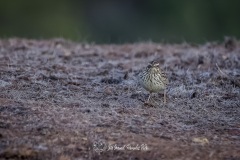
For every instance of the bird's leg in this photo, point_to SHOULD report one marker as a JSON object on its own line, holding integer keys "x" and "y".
{"x": 164, "y": 97}
{"x": 149, "y": 97}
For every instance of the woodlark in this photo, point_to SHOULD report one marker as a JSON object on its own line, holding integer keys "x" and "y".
{"x": 153, "y": 79}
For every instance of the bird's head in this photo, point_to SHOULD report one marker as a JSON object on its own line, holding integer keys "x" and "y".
{"x": 153, "y": 64}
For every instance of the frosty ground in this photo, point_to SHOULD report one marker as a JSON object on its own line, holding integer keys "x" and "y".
{"x": 66, "y": 100}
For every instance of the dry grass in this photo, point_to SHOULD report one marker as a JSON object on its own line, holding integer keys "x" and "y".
{"x": 59, "y": 98}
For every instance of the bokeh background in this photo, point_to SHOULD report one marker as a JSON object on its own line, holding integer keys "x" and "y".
{"x": 121, "y": 21}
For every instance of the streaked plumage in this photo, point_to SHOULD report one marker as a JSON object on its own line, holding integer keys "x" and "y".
{"x": 153, "y": 79}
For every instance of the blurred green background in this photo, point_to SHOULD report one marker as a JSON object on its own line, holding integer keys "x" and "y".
{"x": 121, "y": 21}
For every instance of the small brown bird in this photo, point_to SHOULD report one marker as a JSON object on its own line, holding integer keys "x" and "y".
{"x": 153, "y": 79}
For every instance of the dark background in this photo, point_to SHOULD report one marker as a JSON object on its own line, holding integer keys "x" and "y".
{"x": 121, "y": 21}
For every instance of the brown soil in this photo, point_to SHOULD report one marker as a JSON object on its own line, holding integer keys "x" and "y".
{"x": 64, "y": 100}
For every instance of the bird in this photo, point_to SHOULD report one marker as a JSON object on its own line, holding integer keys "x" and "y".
{"x": 153, "y": 79}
